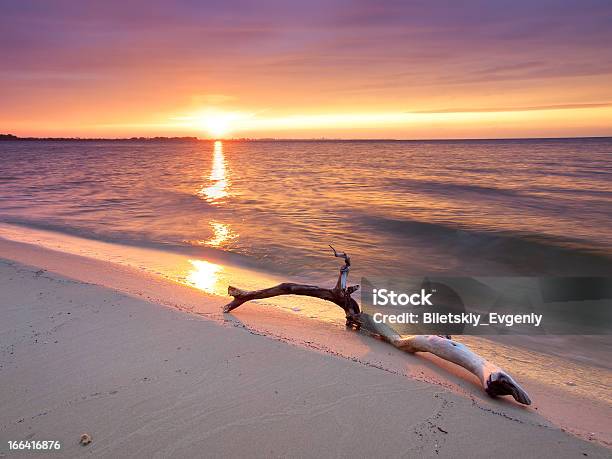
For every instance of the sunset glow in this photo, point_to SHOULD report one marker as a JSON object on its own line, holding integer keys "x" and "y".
{"x": 216, "y": 125}
{"x": 296, "y": 70}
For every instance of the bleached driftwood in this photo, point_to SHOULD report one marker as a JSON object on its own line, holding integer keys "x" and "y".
{"x": 495, "y": 381}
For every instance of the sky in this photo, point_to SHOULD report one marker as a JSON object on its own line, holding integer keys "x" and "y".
{"x": 306, "y": 69}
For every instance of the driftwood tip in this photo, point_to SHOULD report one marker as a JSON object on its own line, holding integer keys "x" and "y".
{"x": 501, "y": 383}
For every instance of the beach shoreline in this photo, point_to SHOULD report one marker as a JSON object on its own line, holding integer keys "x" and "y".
{"x": 554, "y": 409}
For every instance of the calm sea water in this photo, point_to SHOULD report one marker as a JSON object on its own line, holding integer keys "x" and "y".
{"x": 456, "y": 207}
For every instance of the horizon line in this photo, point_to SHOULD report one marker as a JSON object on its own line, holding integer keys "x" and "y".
{"x": 12, "y": 137}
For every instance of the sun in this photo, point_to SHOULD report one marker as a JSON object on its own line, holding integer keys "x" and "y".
{"x": 217, "y": 126}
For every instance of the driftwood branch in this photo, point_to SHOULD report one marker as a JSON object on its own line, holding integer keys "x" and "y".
{"x": 494, "y": 380}
{"x": 340, "y": 294}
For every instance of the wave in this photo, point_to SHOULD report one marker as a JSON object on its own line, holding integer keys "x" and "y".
{"x": 546, "y": 197}
{"x": 131, "y": 239}
{"x": 526, "y": 253}
{"x": 438, "y": 187}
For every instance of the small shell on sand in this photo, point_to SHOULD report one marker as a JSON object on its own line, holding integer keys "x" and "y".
{"x": 85, "y": 439}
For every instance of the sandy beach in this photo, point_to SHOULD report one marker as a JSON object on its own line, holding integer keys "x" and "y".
{"x": 148, "y": 367}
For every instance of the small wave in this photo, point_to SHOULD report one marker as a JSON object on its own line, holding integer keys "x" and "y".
{"x": 139, "y": 240}
{"x": 551, "y": 198}
{"x": 438, "y": 187}
{"x": 525, "y": 252}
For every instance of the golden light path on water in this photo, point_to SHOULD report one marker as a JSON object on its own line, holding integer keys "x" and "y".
{"x": 204, "y": 274}
{"x": 222, "y": 234}
{"x": 214, "y": 278}
{"x": 214, "y": 192}
{"x": 219, "y": 186}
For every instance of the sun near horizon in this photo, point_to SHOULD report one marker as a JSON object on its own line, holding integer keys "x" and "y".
{"x": 291, "y": 70}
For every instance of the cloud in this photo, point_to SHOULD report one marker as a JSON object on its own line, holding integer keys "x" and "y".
{"x": 516, "y": 109}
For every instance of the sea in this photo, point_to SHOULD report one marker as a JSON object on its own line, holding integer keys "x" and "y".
{"x": 456, "y": 207}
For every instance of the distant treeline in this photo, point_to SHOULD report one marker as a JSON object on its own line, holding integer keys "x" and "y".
{"x": 273, "y": 139}
{"x": 79, "y": 139}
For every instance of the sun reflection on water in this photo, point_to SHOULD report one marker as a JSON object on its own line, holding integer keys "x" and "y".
{"x": 204, "y": 275}
{"x": 221, "y": 235}
{"x": 218, "y": 189}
